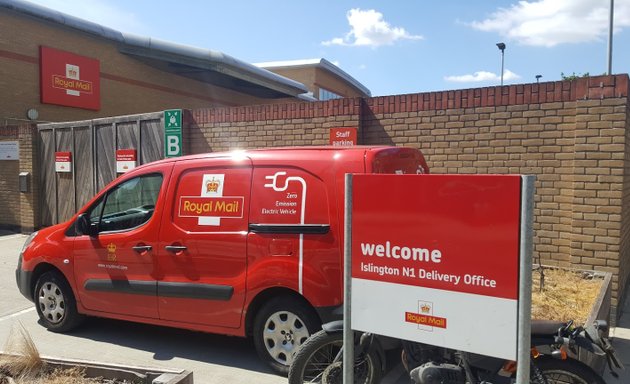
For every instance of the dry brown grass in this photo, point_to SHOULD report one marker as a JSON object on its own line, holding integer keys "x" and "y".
{"x": 22, "y": 360}
{"x": 22, "y": 364}
{"x": 567, "y": 295}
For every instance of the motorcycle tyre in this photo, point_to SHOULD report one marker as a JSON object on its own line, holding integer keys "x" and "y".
{"x": 321, "y": 340}
{"x": 571, "y": 367}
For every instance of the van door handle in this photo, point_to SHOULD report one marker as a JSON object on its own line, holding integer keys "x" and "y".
{"x": 176, "y": 248}
{"x": 142, "y": 248}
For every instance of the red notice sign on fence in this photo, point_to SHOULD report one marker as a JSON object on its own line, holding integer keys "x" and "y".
{"x": 435, "y": 259}
{"x": 63, "y": 162}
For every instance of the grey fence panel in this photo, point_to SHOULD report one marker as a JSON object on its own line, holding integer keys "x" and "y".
{"x": 151, "y": 140}
{"x": 84, "y": 165}
{"x": 105, "y": 154}
{"x": 65, "y": 180}
{"x": 93, "y": 144}
{"x": 127, "y": 135}
{"x": 48, "y": 181}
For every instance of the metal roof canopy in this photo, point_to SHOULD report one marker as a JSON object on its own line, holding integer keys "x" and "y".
{"x": 203, "y": 65}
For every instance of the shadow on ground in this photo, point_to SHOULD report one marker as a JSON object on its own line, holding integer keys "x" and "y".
{"x": 168, "y": 343}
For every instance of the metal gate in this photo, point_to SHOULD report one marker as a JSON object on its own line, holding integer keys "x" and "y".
{"x": 93, "y": 144}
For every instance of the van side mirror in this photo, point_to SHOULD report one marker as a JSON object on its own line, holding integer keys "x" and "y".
{"x": 84, "y": 227}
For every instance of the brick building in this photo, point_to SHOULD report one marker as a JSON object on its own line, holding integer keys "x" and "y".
{"x": 323, "y": 79}
{"x": 131, "y": 74}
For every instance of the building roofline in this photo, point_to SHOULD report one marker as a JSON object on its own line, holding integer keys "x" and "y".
{"x": 319, "y": 63}
{"x": 159, "y": 49}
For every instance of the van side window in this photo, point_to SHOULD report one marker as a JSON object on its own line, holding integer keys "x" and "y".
{"x": 127, "y": 205}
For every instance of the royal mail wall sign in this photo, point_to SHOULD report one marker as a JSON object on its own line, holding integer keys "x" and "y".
{"x": 446, "y": 247}
{"x": 69, "y": 79}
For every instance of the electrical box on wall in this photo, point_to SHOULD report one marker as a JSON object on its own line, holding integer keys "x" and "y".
{"x": 24, "y": 181}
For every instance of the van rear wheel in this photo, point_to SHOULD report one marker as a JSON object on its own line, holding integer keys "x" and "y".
{"x": 280, "y": 327}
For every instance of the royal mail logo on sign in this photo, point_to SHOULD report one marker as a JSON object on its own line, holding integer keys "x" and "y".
{"x": 125, "y": 160}
{"x": 69, "y": 79}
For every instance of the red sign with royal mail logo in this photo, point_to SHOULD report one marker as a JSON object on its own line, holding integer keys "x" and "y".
{"x": 69, "y": 79}
{"x": 343, "y": 136}
{"x": 126, "y": 160}
{"x": 63, "y": 162}
{"x": 447, "y": 248}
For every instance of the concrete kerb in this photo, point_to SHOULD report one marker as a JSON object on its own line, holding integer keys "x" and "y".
{"x": 132, "y": 374}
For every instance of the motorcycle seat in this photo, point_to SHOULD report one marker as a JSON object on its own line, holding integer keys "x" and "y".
{"x": 546, "y": 327}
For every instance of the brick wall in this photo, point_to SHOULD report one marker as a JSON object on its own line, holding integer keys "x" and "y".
{"x": 24, "y": 217}
{"x": 9, "y": 217}
{"x": 571, "y": 135}
{"x": 29, "y": 202}
{"x": 269, "y": 125}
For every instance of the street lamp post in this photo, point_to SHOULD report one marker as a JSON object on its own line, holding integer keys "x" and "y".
{"x": 538, "y": 78}
{"x": 501, "y": 46}
{"x": 610, "y": 36}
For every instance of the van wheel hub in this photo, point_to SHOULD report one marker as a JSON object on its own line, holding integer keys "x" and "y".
{"x": 284, "y": 332}
{"x": 51, "y": 302}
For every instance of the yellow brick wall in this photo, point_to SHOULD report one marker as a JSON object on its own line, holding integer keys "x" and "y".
{"x": 571, "y": 135}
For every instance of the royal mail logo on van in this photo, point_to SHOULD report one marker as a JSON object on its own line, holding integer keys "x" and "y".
{"x": 69, "y": 79}
{"x": 213, "y": 185}
{"x": 201, "y": 206}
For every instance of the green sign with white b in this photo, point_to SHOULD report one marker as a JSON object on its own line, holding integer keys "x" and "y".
{"x": 173, "y": 133}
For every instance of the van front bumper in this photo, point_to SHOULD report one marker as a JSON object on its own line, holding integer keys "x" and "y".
{"x": 23, "y": 279}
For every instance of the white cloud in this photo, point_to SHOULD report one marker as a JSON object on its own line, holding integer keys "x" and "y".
{"x": 551, "y": 22}
{"x": 362, "y": 66}
{"x": 482, "y": 76}
{"x": 97, "y": 11}
{"x": 367, "y": 28}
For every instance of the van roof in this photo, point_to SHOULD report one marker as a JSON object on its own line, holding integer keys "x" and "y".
{"x": 281, "y": 152}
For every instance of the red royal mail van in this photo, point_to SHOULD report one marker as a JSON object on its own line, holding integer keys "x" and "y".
{"x": 244, "y": 243}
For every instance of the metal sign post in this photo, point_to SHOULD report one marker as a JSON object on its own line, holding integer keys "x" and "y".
{"x": 348, "y": 334}
{"x": 525, "y": 279}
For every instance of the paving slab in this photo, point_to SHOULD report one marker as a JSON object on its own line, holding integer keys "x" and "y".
{"x": 11, "y": 301}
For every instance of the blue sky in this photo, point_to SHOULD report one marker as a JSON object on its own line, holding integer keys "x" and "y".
{"x": 392, "y": 47}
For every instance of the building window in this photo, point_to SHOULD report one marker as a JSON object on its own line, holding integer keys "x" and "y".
{"x": 325, "y": 94}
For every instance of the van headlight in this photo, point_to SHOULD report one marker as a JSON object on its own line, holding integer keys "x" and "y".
{"x": 28, "y": 241}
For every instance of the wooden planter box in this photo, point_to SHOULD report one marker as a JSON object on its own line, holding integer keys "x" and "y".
{"x": 135, "y": 375}
{"x": 599, "y": 311}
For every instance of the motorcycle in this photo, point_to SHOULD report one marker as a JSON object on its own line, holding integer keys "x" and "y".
{"x": 554, "y": 358}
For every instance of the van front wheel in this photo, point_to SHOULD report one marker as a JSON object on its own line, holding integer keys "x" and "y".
{"x": 280, "y": 327}
{"x": 55, "y": 303}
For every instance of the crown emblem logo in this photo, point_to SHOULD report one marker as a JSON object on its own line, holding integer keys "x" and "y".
{"x": 212, "y": 185}
{"x": 111, "y": 248}
{"x": 425, "y": 308}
